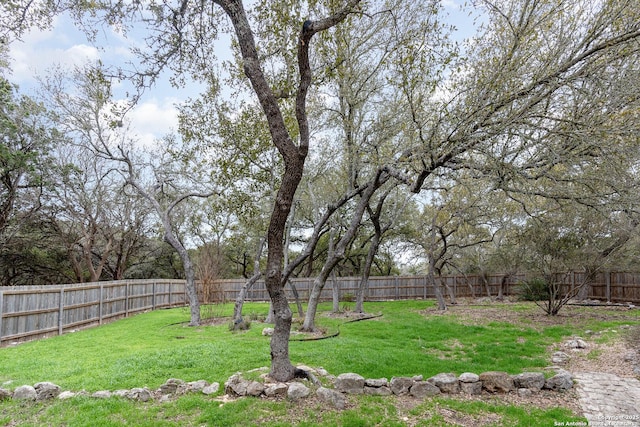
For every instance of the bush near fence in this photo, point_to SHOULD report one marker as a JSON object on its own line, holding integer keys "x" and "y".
{"x": 29, "y": 312}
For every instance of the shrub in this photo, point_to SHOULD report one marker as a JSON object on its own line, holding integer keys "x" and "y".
{"x": 536, "y": 289}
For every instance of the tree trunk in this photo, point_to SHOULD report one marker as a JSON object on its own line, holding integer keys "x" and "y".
{"x": 296, "y": 297}
{"x": 238, "y": 321}
{"x": 335, "y": 286}
{"x": 335, "y": 293}
{"x": 450, "y": 291}
{"x": 437, "y": 289}
{"x": 503, "y": 282}
{"x": 293, "y": 156}
{"x": 237, "y": 309}
{"x": 189, "y": 272}
{"x": 485, "y": 282}
{"x": 364, "y": 281}
{"x": 338, "y": 253}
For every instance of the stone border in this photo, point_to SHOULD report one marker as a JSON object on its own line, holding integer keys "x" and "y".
{"x": 524, "y": 384}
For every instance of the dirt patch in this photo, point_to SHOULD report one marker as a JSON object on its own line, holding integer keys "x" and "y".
{"x": 614, "y": 356}
{"x": 216, "y": 321}
{"x": 530, "y": 315}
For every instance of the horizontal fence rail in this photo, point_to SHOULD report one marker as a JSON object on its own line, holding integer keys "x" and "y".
{"x": 28, "y": 312}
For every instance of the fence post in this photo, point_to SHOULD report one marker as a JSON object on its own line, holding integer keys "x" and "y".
{"x": 101, "y": 298}
{"x": 424, "y": 288}
{"x": 61, "y": 312}
{"x": 607, "y": 281}
{"x": 153, "y": 297}
{"x": 397, "y": 284}
{"x": 126, "y": 299}
{"x": 1, "y": 313}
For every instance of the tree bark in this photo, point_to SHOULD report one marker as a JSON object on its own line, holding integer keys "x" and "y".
{"x": 189, "y": 271}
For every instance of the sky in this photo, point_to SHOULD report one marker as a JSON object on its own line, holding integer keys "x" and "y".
{"x": 65, "y": 46}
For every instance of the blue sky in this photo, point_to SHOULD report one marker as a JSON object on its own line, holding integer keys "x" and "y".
{"x": 64, "y": 45}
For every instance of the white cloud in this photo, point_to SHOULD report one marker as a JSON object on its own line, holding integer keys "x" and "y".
{"x": 63, "y": 45}
{"x": 450, "y": 3}
{"x": 152, "y": 119}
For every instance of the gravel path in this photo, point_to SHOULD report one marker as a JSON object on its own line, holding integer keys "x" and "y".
{"x": 609, "y": 400}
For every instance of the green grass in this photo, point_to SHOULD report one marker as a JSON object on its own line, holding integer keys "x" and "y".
{"x": 407, "y": 339}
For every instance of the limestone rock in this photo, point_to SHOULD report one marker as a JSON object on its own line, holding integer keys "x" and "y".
{"x": 25, "y": 392}
{"x": 447, "y": 383}
{"x": 172, "y": 386}
{"x": 254, "y": 388}
{"x": 350, "y": 383}
{"x": 322, "y": 372}
{"x": 560, "y": 382}
{"x": 276, "y": 389}
{"x": 577, "y": 343}
{"x": 66, "y": 395}
{"x": 380, "y": 382}
{"x": 121, "y": 393}
{"x": 468, "y": 377}
{"x": 336, "y": 399}
{"x": 4, "y": 394}
{"x": 401, "y": 385}
{"x": 560, "y": 358}
{"x": 495, "y": 381}
{"x": 211, "y": 389}
{"x": 236, "y": 385}
{"x": 525, "y": 392}
{"x": 297, "y": 391}
{"x": 422, "y": 389}
{"x": 530, "y": 380}
{"x": 102, "y": 394}
{"x": 140, "y": 394}
{"x": 198, "y": 385}
{"x": 471, "y": 388}
{"x": 377, "y": 391}
{"x": 267, "y": 332}
{"x": 46, "y": 390}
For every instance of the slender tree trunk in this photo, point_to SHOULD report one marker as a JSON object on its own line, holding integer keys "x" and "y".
{"x": 287, "y": 241}
{"x": 335, "y": 287}
{"x": 189, "y": 272}
{"x": 237, "y": 308}
{"x": 364, "y": 281}
{"x": 450, "y": 291}
{"x": 296, "y": 297}
{"x": 437, "y": 289}
{"x": 503, "y": 282}
{"x": 335, "y": 293}
{"x": 332, "y": 261}
{"x": 485, "y": 282}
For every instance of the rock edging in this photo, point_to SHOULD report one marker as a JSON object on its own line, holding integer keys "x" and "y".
{"x": 334, "y": 392}
{"x": 525, "y": 384}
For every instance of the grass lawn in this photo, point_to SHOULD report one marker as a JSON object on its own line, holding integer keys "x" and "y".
{"x": 409, "y": 338}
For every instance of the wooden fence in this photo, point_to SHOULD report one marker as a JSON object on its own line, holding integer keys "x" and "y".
{"x": 29, "y": 312}
{"x": 612, "y": 287}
